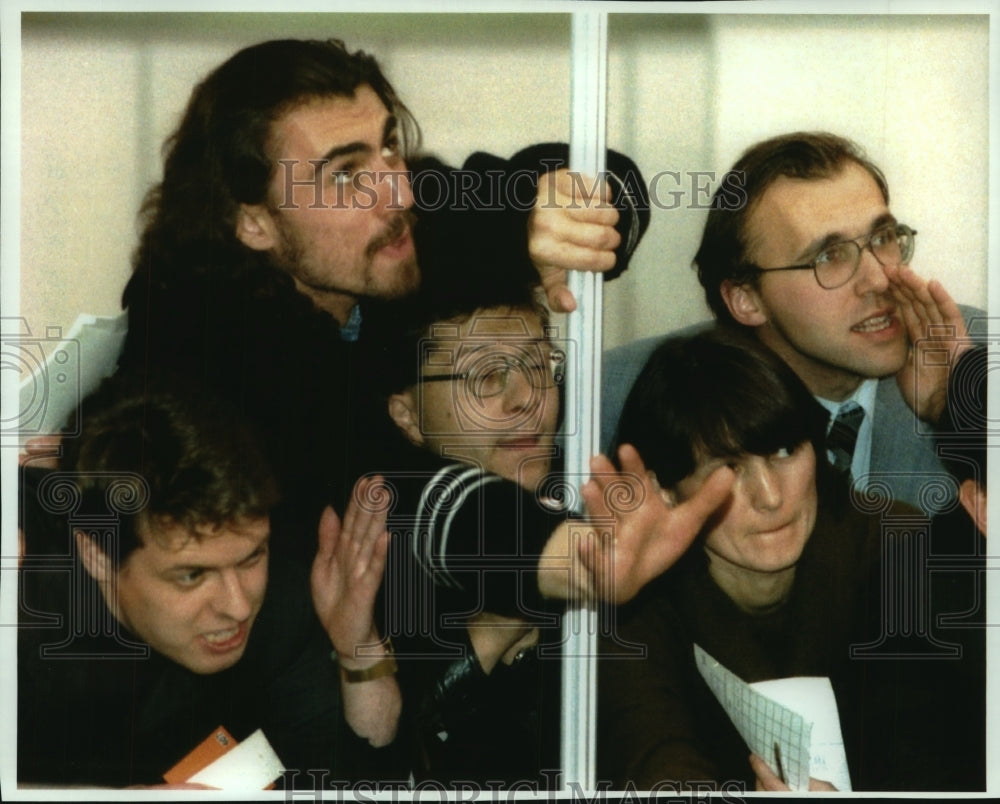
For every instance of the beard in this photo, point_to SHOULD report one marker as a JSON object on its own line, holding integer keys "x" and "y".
{"x": 405, "y": 276}
{"x": 318, "y": 276}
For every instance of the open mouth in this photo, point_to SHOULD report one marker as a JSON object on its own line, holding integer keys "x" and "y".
{"x": 227, "y": 639}
{"x": 396, "y": 239}
{"x": 400, "y": 247}
{"x": 400, "y": 243}
{"x": 877, "y": 323}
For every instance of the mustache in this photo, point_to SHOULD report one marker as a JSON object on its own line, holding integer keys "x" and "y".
{"x": 397, "y": 228}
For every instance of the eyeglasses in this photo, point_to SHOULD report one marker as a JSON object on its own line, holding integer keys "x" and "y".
{"x": 490, "y": 377}
{"x": 835, "y": 265}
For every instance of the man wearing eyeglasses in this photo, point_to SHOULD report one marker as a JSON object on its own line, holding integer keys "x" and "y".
{"x": 801, "y": 248}
{"x": 290, "y": 201}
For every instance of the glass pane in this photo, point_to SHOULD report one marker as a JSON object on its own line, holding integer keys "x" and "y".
{"x": 688, "y": 93}
{"x": 100, "y": 93}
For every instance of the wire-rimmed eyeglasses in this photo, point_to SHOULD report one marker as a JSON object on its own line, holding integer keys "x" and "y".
{"x": 490, "y": 377}
{"x": 835, "y": 265}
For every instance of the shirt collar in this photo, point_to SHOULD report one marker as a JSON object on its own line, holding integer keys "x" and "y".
{"x": 864, "y": 395}
{"x": 351, "y": 331}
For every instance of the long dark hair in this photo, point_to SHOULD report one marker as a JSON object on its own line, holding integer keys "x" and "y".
{"x": 217, "y": 158}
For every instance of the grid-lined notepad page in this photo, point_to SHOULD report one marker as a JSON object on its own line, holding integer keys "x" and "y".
{"x": 763, "y": 723}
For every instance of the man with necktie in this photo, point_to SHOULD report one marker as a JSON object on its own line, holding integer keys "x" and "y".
{"x": 801, "y": 249}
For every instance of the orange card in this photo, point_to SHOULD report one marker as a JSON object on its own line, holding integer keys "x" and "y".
{"x": 204, "y": 754}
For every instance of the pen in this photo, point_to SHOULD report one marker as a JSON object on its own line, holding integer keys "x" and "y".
{"x": 777, "y": 760}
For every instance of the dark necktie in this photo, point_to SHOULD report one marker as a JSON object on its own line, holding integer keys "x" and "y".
{"x": 843, "y": 435}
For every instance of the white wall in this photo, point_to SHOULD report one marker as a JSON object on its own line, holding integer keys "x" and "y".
{"x": 100, "y": 92}
{"x": 686, "y": 93}
{"x": 692, "y": 94}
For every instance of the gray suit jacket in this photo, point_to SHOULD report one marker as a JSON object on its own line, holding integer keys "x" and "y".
{"x": 904, "y": 460}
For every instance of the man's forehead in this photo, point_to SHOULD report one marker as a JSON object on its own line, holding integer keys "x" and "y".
{"x": 794, "y": 213}
{"x": 493, "y": 322}
{"x": 491, "y": 329}
{"x": 170, "y": 542}
{"x": 443, "y": 352}
{"x": 324, "y": 121}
